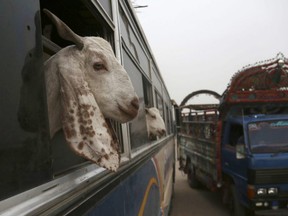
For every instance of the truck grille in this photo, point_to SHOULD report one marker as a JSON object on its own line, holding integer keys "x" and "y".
{"x": 268, "y": 176}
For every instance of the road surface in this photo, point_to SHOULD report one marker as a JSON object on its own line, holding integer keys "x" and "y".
{"x": 192, "y": 202}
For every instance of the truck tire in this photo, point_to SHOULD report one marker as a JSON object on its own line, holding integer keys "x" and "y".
{"x": 235, "y": 207}
{"x": 192, "y": 180}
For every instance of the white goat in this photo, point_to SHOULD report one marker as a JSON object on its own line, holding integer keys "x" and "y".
{"x": 155, "y": 123}
{"x": 84, "y": 84}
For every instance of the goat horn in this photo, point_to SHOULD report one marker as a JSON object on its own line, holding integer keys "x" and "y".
{"x": 64, "y": 31}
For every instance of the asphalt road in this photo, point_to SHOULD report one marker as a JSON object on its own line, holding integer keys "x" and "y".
{"x": 191, "y": 202}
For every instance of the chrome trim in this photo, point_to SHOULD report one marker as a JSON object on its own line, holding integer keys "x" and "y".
{"x": 53, "y": 195}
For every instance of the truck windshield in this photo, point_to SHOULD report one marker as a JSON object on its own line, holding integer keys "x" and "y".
{"x": 268, "y": 136}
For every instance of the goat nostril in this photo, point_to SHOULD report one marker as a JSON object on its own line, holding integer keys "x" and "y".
{"x": 135, "y": 103}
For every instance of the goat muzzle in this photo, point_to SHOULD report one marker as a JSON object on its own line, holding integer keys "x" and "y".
{"x": 135, "y": 103}
{"x": 132, "y": 110}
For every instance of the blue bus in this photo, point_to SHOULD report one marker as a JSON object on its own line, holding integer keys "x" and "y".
{"x": 40, "y": 175}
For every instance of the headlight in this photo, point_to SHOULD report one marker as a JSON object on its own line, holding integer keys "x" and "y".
{"x": 261, "y": 191}
{"x": 272, "y": 191}
{"x": 267, "y": 191}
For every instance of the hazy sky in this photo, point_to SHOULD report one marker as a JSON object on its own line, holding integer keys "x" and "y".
{"x": 200, "y": 44}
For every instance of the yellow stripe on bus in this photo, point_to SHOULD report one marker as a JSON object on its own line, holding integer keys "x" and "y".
{"x": 152, "y": 182}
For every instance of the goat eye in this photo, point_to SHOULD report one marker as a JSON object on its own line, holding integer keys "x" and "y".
{"x": 153, "y": 116}
{"x": 98, "y": 66}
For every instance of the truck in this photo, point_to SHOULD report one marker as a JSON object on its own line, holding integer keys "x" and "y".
{"x": 239, "y": 145}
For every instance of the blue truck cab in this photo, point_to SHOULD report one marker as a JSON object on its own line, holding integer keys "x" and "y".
{"x": 255, "y": 155}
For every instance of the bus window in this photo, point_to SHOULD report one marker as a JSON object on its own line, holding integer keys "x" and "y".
{"x": 138, "y": 130}
{"x": 159, "y": 104}
{"x": 168, "y": 119}
{"x": 76, "y": 15}
{"x": 148, "y": 98}
{"x": 129, "y": 37}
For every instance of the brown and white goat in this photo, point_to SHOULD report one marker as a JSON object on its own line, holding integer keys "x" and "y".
{"x": 86, "y": 84}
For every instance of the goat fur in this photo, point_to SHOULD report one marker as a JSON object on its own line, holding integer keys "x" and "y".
{"x": 155, "y": 123}
{"x": 86, "y": 84}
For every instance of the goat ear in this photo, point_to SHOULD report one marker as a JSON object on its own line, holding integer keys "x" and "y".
{"x": 85, "y": 128}
{"x": 64, "y": 31}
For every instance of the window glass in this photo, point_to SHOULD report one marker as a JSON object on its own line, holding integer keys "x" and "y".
{"x": 159, "y": 104}
{"x": 76, "y": 15}
{"x": 156, "y": 80}
{"x": 106, "y": 4}
{"x": 138, "y": 129}
{"x": 268, "y": 136}
{"x": 118, "y": 130}
{"x": 168, "y": 119}
{"x": 148, "y": 97}
{"x": 236, "y": 134}
{"x": 132, "y": 43}
{"x": 25, "y": 156}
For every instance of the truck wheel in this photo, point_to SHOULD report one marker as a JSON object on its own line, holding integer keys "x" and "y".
{"x": 235, "y": 207}
{"x": 192, "y": 180}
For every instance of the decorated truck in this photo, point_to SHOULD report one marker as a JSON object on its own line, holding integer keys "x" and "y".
{"x": 239, "y": 146}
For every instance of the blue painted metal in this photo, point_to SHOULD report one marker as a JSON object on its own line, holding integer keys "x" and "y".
{"x": 127, "y": 198}
{"x": 238, "y": 169}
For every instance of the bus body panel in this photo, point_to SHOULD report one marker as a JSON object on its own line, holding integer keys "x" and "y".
{"x": 145, "y": 192}
{"x": 42, "y": 176}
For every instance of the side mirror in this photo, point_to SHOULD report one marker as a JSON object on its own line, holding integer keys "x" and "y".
{"x": 240, "y": 151}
